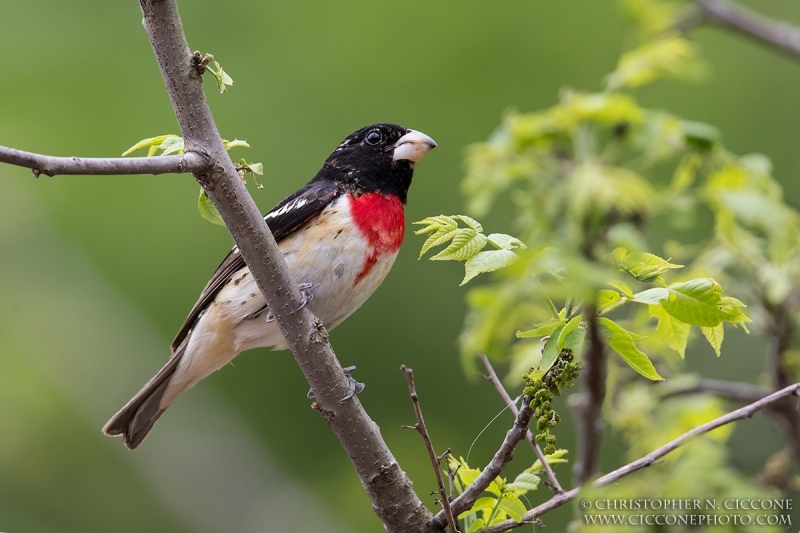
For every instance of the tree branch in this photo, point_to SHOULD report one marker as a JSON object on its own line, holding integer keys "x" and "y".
{"x": 552, "y": 480}
{"x": 92, "y": 166}
{"x": 730, "y": 390}
{"x": 435, "y": 459}
{"x": 387, "y": 486}
{"x": 501, "y": 458}
{"x": 783, "y": 36}
{"x": 588, "y": 404}
{"x": 649, "y": 459}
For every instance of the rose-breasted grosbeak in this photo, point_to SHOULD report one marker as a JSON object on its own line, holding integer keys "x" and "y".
{"x": 339, "y": 234}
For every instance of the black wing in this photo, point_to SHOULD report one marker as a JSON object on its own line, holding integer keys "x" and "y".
{"x": 283, "y": 220}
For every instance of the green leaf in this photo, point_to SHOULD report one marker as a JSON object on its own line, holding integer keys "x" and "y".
{"x": 442, "y": 229}
{"x": 571, "y": 326}
{"x": 235, "y": 144}
{"x": 608, "y": 300}
{"x": 171, "y": 145}
{"x": 540, "y": 330}
{"x": 714, "y": 336}
{"x": 651, "y": 296}
{"x": 223, "y": 80}
{"x": 466, "y": 243}
{"x": 505, "y": 242}
{"x": 549, "y": 355}
{"x": 513, "y": 507}
{"x": 208, "y": 210}
{"x": 695, "y": 302}
{"x": 154, "y": 143}
{"x": 703, "y": 136}
{"x": 476, "y": 525}
{"x": 525, "y": 482}
{"x": 669, "y": 55}
{"x": 621, "y": 341}
{"x": 470, "y": 222}
{"x": 488, "y": 261}
{"x": 552, "y": 459}
{"x": 641, "y": 266}
{"x": 622, "y": 287}
{"x": 671, "y": 330}
{"x": 574, "y": 342}
{"x": 487, "y": 503}
{"x": 685, "y": 173}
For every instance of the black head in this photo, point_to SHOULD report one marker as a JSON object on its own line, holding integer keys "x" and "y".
{"x": 378, "y": 158}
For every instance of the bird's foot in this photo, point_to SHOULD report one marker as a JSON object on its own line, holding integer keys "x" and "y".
{"x": 306, "y": 295}
{"x": 355, "y": 386}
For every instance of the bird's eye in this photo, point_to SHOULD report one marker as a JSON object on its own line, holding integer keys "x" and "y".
{"x": 374, "y": 137}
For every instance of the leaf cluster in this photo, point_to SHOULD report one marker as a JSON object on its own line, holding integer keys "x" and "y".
{"x": 503, "y": 501}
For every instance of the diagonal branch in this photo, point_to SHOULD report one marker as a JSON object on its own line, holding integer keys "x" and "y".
{"x": 501, "y": 458}
{"x": 387, "y": 486}
{"x": 94, "y": 166}
{"x": 552, "y": 480}
{"x": 435, "y": 459}
{"x": 649, "y": 459}
{"x": 783, "y": 36}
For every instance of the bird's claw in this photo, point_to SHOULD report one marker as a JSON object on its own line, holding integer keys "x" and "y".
{"x": 355, "y": 386}
{"x": 306, "y": 295}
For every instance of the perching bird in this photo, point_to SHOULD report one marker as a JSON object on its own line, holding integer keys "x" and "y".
{"x": 339, "y": 234}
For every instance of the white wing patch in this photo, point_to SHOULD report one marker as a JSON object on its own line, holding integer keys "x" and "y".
{"x": 297, "y": 203}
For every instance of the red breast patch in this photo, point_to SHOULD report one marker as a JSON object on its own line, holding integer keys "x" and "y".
{"x": 381, "y": 221}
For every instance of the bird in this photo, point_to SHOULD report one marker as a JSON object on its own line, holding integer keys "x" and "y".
{"x": 339, "y": 234}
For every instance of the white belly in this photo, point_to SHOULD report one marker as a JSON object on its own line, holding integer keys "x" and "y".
{"x": 329, "y": 253}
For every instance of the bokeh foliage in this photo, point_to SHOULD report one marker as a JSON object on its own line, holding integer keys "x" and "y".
{"x": 104, "y": 270}
{"x": 586, "y": 178}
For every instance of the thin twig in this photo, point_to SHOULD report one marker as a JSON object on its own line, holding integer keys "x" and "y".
{"x": 729, "y": 390}
{"x": 649, "y": 459}
{"x": 552, "y": 480}
{"x": 780, "y": 35}
{"x": 501, "y": 458}
{"x": 105, "y": 166}
{"x": 435, "y": 460}
{"x": 589, "y": 403}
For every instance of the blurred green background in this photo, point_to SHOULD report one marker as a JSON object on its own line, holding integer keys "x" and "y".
{"x": 97, "y": 273}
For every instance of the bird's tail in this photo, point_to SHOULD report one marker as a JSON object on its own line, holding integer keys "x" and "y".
{"x": 136, "y": 419}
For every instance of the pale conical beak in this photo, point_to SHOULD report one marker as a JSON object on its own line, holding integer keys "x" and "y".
{"x": 412, "y": 146}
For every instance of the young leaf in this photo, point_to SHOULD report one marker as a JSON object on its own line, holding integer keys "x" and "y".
{"x": 223, "y": 80}
{"x": 608, "y": 300}
{"x": 512, "y": 506}
{"x": 621, "y": 341}
{"x": 641, "y": 266}
{"x": 549, "y": 355}
{"x": 574, "y": 342}
{"x": 154, "y": 144}
{"x": 540, "y": 330}
{"x": 622, "y": 287}
{"x": 671, "y": 330}
{"x": 714, "y": 336}
{"x": 234, "y": 144}
{"x": 442, "y": 229}
{"x": 208, "y": 210}
{"x": 466, "y": 243}
{"x": 505, "y": 242}
{"x": 695, "y": 302}
{"x": 571, "y": 326}
{"x": 488, "y": 261}
{"x": 477, "y": 525}
{"x": 525, "y": 482}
